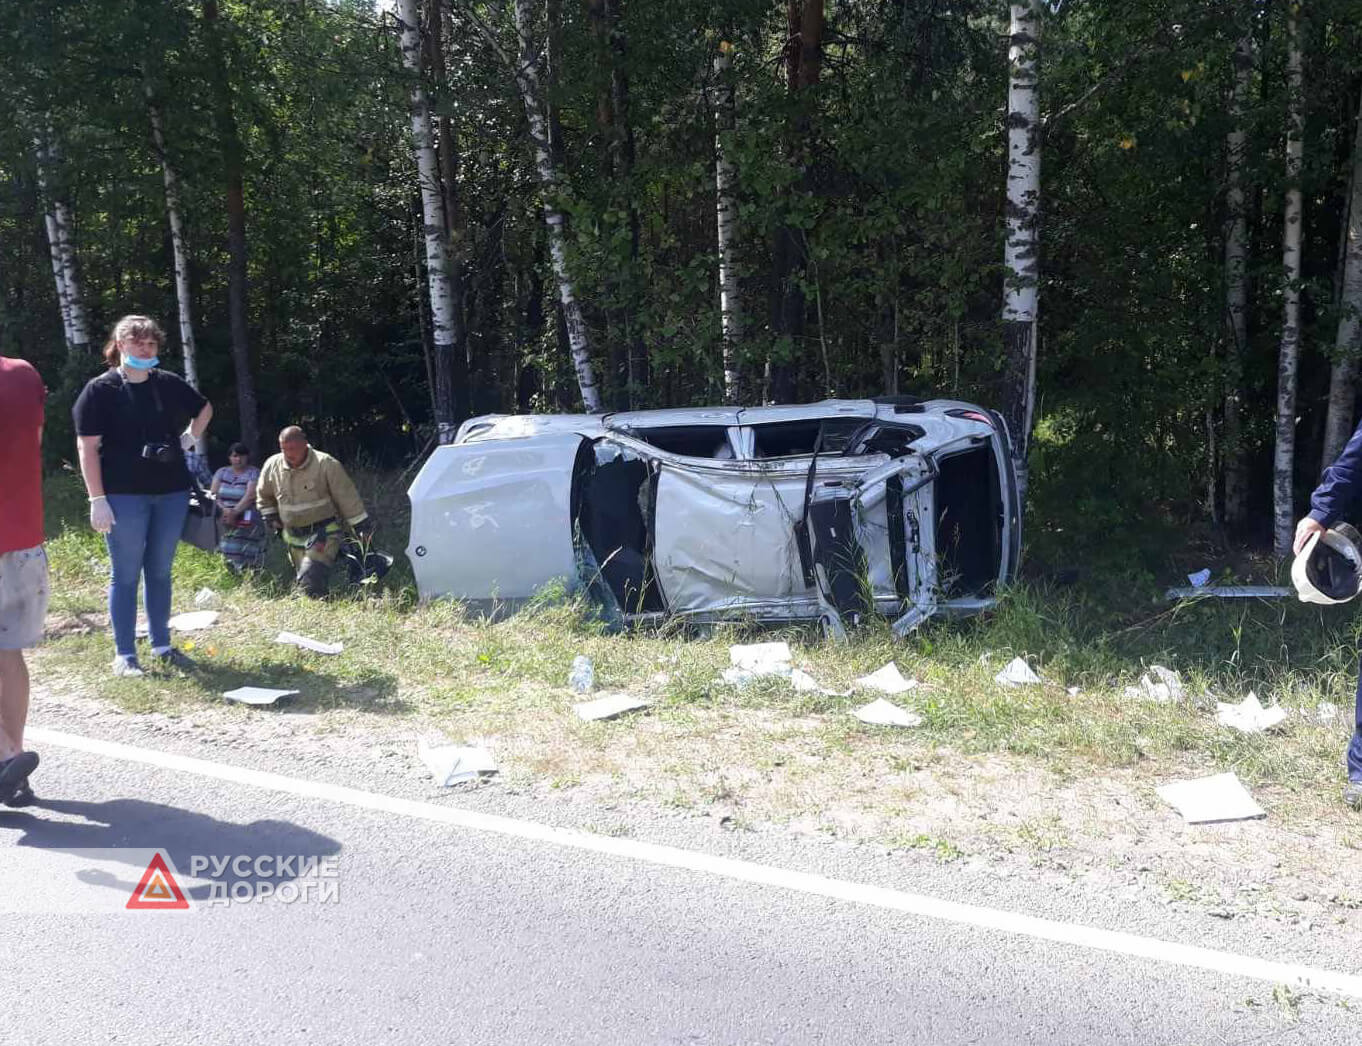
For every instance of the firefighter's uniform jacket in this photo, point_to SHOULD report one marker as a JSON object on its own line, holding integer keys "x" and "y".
{"x": 315, "y": 499}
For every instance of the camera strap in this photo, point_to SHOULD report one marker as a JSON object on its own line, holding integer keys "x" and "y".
{"x": 141, "y": 415}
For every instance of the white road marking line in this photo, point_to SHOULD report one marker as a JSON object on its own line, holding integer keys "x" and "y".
{"x": 1231, "y": 963}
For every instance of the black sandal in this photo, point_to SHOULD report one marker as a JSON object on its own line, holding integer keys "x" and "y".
{"x": 14, "y": 774}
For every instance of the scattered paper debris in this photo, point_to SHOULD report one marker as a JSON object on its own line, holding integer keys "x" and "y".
{"x": 762, "y": 659}
{"x": 806, "y": 684}
{"x": 887, "y": 679}
{"x": 1209, "y": 799}
{"x": 205, "y": 597}
{"x": 1327, "y": 712}
{"x": 1073, "y": 691}
{"x": 739, "y": 677}
{"x": 257, "y": 695}
{"x": 1249, "y": 716}
{"x": 609, "y": 706}
{"x": 292, "y": 639}
{"x": 885, "y": 713}
{"x": 1200, "y": 579}
{"x": 1162, "y": 685}
{"x": 452, "y": 764}
{"x": 194, "y": 620}
{"x": 1017, "y": 673}
{"x": 582, "y": 675}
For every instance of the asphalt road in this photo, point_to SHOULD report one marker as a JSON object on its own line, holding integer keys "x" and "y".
{"x": 448, "y": 935}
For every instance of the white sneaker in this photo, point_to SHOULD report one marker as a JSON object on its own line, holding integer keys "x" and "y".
{"x": 126, "y": 666}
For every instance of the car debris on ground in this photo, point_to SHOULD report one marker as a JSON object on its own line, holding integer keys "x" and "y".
{"x": 1249, "y": 716}
{"x": 1018, "y": 673}
{"x": 1200, "y": 579}
{"x": 608, "y": 706}
{"x": 582, "y": 675}
{"x": 308, "y": 643}
{"x": 454, "y": 764}
{"x": 1207, "y": 800}
{"x": 887, "y": 679}
{"x": 206, "y": 597}
{"x": 1229, "y": 592}
{"x": 885, "y": 713}
{"x": 1159, "y": 684}
{"x": 257, "y": 695}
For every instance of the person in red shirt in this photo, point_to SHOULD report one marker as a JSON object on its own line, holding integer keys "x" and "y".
{"x": 23, "y": 565}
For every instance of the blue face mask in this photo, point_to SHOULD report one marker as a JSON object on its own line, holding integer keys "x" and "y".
{"x": 138, "y": 363}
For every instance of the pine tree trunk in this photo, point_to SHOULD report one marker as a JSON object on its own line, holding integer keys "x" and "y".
{"x": 1021, "y": 262}
{"x": 527, "y": 75}
{"x": 1343, "y": 378}
{"x": 70, "y": 295}
{"x": 726, "y": 210}
{"x": 234, "y": 176}
{"x": 1283, "y": 509}
{"x": 1236, "y": 292}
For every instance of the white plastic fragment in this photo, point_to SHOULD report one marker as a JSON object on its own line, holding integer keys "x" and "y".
{"x": 1162, "y": 685}
{"x": 307, "y": 643}
{"x": 739, "y": 677}
{"x": 452, "y": 764}
{"x": 806, "y": 684}
{"x": 582, "y": 675}
{"x": 762, "y": 659}
{"x": 887, "y": 679}
{"x": 205, "y": 597}
{"x": 1209, "y": 799}
{"x": 609, "y": 706}
{"x": 1201, "y": 578}
{"x": 1073, "y": 691}
{"x": 885, "y": 713}
{"x": 1327, "y": 712}
{"x": 256, "y": 695}
{"x": 194, "y": 620}
{"x": 1249, "y": 716}
{"x": 1017, "y": 673}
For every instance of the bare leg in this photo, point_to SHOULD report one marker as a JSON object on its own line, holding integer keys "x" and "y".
{"x": 13, "y": 702}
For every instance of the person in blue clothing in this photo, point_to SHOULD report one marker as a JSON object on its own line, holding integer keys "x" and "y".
{"x": 1336, "y": 494}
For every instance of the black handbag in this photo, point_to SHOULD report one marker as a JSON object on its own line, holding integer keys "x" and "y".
{"x": 202, "y": 524}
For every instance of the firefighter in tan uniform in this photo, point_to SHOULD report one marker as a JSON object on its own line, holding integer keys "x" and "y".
{"x": 307, "y": 497}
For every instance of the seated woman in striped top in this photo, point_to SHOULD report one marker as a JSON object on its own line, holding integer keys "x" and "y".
{"x": 243, "y": 533}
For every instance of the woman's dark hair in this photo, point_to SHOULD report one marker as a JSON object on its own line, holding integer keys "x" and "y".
{"x": 131, "y": 327}
{"x": 239, "y": 448}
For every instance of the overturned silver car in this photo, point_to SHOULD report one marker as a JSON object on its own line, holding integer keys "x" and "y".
{"x": 821, "y": 512}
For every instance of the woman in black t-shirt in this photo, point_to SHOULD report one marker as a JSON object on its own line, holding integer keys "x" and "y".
{"x": 133, "y": 425}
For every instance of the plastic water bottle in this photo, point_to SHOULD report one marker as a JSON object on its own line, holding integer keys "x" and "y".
{"x": 582, "y": 677}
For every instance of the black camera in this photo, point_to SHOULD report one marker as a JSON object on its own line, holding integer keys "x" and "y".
{"x": 161, "y": 453}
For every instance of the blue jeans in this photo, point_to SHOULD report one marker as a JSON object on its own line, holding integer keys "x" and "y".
{"x": 142, "y": 543}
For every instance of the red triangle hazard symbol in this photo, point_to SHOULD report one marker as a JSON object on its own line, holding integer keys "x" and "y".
{"x": 158, "y": 888}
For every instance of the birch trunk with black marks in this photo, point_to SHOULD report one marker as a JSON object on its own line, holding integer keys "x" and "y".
{"x": 61, "y": 240}
{"x": 1021, "y": 268}
{"x": 434, "y": 225}
{"x": 1283, "y": 465}
{"x": 1348, "y": 339}
{"x": 179, "y": 251}
{"x": 726, "y": 211}
{"x": 234, "y": 175}
{"x": 528, "y": 82}
{"x": 1236, "y": 291}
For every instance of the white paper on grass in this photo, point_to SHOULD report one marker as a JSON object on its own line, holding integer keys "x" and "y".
{"x": 1327, "y": 712}
{"x": 739, "y": 677}
{"x": 1209, "y": 799}
{"x": 609, "y": 706}
{"x": 194, "y": 621}
{"x": 205, "y": 597}
{"x": 806, "y": 684}
{"x": 1017, "y": 673}
{"x": 292, "y": 639}
{"x": 451, "y": 764}
{"x": 885, "y": 713}
{"x": 257, "y": 695}
{"x": 1162, "y": 685}
{"x": 887, "y": 679}
{"x": 762, "y": 659}
{"x": 1249, "y": 716}
{"x": 1200, "y": 579}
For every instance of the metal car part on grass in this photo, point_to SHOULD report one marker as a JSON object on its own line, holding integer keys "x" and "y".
{"x": 817, "y": 512}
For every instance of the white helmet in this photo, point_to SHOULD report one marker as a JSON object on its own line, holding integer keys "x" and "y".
{"x": 1328, "y": 568}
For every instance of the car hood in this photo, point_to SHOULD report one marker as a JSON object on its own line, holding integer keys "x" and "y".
{"x": 493, "y": 520}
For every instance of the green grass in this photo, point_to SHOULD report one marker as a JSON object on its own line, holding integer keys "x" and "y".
{"x": 508, "y": 677}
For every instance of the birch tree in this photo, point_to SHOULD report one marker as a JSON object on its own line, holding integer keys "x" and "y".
{"x": 433, "y": 223}
{"x": 1283, "y": 516}
{"x": 527, "y": 70}
{"x": 1348, "y": 338}
{"x": 1236, "y": 288}
{"x": 726, "y": 214}
{"x": 1021, "y": 269}
{"x": 61, "y": 240}
{"x": 183, "y": 298}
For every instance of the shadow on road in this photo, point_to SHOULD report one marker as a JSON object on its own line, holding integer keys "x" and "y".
{"x": 183, "y": 834}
